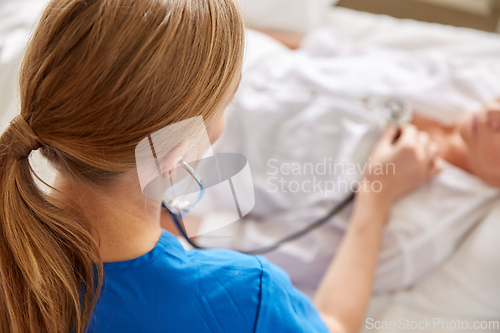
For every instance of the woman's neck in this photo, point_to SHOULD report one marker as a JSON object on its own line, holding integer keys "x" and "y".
{"x": 123, "y": 222}
{"x": 451, "y": 145}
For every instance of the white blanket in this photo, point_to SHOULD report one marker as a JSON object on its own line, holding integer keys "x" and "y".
{"x": 306, "y": 107}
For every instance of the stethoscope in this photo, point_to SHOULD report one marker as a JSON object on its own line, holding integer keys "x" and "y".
{"x": 396, "y": 109}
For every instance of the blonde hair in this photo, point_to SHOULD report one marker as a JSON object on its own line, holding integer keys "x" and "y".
{"x": 97, "y": 77}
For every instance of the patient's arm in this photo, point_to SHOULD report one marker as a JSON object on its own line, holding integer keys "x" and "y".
{"x": 289, "y": 39}
{"x": 343, "y": 296}
{"x": 345, "y": 291}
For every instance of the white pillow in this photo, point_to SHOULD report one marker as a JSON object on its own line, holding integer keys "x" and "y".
{"x": 299, "y": 16}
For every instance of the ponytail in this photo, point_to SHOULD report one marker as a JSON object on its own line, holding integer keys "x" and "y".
{"x": 50, "y": 271}
{"x": 96, "y": 78}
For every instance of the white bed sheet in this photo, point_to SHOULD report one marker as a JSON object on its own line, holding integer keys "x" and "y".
{"x": 298, "y": 95}
{"x": 467, "y": 287}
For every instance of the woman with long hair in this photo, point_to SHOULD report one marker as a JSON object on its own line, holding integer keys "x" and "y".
{"x": 98, "y": 76}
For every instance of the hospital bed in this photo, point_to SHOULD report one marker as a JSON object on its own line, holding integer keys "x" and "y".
{"x": 466, "y": 287}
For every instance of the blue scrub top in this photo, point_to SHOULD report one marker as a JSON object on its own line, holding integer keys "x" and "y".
{"x": 172, "y": 290}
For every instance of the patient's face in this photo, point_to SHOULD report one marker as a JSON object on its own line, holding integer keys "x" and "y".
{"x": 481, "y": 132}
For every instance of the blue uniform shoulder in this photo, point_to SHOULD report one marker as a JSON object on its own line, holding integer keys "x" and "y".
{"x": 171, "y": 289}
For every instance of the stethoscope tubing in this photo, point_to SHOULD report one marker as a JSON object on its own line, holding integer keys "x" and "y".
{"x": 265, "y": 249}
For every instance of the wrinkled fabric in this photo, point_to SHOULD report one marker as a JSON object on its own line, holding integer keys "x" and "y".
{"x": 310, "y": 106}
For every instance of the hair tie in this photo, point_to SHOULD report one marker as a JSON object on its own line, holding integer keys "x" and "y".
{"x": 24, "y": 139}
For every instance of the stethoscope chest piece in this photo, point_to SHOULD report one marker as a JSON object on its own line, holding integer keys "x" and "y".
{"x": 397, "y": 110}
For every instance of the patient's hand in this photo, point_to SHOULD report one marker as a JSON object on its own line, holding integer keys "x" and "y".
{"x": 411, "y": 160}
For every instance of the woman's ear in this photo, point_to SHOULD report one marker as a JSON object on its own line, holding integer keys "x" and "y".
{"x": 169, "y": 162}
